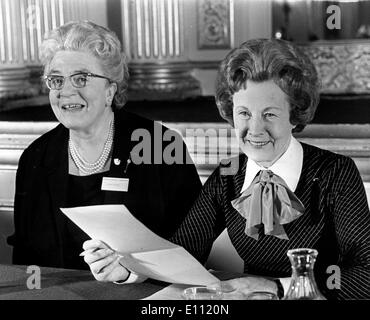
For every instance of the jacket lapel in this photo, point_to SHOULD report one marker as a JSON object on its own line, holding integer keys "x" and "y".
{"x": 239, "y": 177}
{"x": 122, "y": 146}
{"x": 232, "y": 173}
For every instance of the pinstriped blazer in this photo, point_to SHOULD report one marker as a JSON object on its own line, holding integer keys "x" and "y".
{"x": 336, "y": 222}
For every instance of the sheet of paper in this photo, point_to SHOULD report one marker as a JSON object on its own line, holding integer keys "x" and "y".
{"x": 173, "y": 265}
{"x": 116, "y": 226}
{"x": 143, "y": 251}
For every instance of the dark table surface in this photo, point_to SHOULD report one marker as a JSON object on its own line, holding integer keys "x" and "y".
{"x": 64, "y": 284}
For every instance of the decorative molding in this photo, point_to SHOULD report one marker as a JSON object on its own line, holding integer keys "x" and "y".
{"x": 25, "y": 128}
{"x": 14, "y": 138}
{"x": 215, "y": 24}
{"x": 204, "y": 65}
{"x": 346, "y": 139}
{"x": 162, "y": 81}
{"x": 14, "y": 84}
{"x": 36, "y": 101}
{"x": 350, "y": 140}
{"x": 344, "y": 67}
{"x": 6, "y": 229}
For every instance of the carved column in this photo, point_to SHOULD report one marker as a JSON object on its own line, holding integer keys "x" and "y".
{"x": 23, "y": 24}
{"x": 153, "y": 33}
{"x": 14, "y": 75}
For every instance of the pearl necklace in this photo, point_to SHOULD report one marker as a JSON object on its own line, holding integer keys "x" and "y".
{"x": 85, "y": 167}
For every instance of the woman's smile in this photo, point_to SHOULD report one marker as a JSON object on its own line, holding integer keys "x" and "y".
{"x": 257, "y": 144}
{"x": 72, "y": 107}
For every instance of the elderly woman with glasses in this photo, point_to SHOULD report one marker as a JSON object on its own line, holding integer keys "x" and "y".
{"x": 279, "y": 193}
{"x": 88, "y": 158}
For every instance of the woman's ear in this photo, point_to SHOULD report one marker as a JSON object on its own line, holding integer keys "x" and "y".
{"x": 110, "y": 92}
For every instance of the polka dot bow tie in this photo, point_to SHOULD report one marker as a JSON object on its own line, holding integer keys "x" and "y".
{"x": 269, "y": 203}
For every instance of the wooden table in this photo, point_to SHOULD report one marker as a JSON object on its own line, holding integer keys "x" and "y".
{"x": 64, "y": 284}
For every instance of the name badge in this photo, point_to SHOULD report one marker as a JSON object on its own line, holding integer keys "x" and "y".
{"x": 115, "y": 184}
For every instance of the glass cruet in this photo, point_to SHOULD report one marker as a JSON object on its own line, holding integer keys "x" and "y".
{"x": 303, "y": 285}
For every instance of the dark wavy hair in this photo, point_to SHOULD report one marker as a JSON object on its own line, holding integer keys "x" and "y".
{"x": 277, "y": 60}
{"x": 97, "y": 40}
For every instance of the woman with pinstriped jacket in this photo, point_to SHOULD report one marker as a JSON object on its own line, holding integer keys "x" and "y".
{"x": 279, "y": 193}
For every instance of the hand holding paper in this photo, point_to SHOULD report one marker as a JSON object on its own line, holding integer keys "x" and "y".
{"x": 103, "y": 261}
{"x": 143, "y": 251}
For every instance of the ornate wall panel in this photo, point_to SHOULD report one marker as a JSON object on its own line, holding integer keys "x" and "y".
{"x": 344, "y": 67}
{"x": 215, "y": 24}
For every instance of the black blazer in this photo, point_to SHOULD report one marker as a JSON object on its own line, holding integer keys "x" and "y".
{"x": 336, "y": 222}
{"x": 159, "y": 195}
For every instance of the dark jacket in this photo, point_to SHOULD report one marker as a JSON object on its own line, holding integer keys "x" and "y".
{"x": 336, "y": 222}
{"x": 159, "y": 195}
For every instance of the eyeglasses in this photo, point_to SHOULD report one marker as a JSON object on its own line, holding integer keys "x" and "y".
{"x": 78, "y": 80}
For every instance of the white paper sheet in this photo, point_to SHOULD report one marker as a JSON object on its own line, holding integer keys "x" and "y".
{"x": 143, "y": 251}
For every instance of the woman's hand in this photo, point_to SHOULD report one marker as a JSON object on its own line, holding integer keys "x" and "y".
{"x": 104, "y": 262}
{"x": 239, "y": 288}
